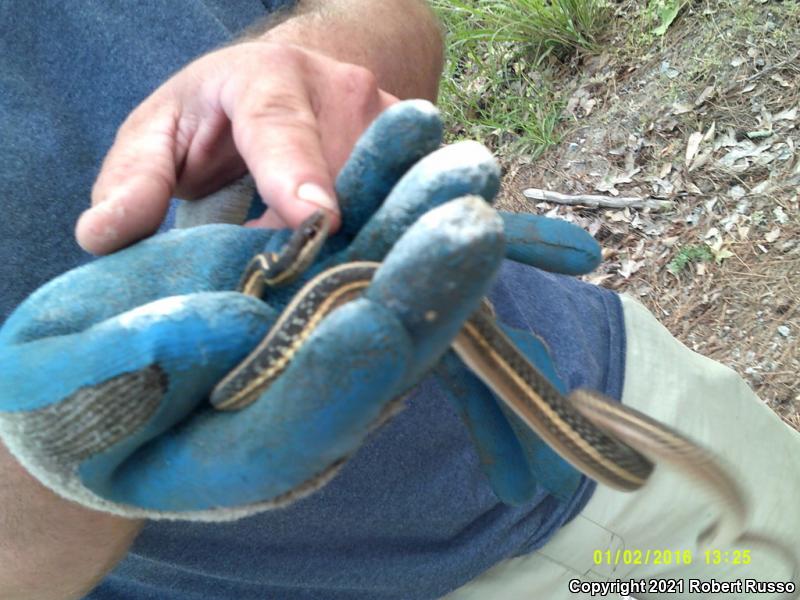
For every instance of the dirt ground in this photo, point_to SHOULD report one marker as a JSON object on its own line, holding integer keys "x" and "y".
{"x": 702, "y": 124}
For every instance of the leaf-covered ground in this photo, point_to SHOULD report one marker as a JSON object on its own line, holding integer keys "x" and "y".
{"x": 704, "y": 120}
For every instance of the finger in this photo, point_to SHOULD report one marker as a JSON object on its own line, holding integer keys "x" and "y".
{"x": 437, "y": 273}
{"x": 398, "y": 138}
{"x": 465, "y": 168}
{"x": 499, "y": 451}
{"x": 294, "y": 128}
{"x": 516, "y": 461}
{"x": 550, "y": 244}
{"x": 132, "y": 191}
{"x": 190, "y": 340}
{"x": 276, "y": 132}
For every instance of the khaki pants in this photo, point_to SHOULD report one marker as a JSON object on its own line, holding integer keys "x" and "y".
{"x": 711, "y": 404}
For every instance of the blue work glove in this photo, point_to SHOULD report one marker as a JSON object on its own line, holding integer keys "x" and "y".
{"x": 104, "y": 371}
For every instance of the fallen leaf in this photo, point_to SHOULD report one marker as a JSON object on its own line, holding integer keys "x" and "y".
{"x": 681, "y": 108}
{"x": 628, "y": 267}
{"x": 759, "y": 134}
{"x": 598, "y": 279}
{"x": 720, "y": 253}
{"x": 761, "y": 188}
{"x": 709, "y": 134}
{"x": 725, "y": 140}
{"x": 704, "y": 95}
{"x": 701, "y": 159}
{"x": 744, "y": 149}
{"x": 780, "y": 216}
{"x": 737, "y": 192}
{"x": 773, "y": 235}
{"x": 780, "y": 80}
{"x": 669, "y": 71}
{"x": 692, "y": 188}
{"x": 786, "y": 115}
{"x": 692, "y": 146}
{"x": 667, "y": 11}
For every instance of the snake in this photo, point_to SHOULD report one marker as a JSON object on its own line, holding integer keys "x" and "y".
{"x": 611, "y": 443}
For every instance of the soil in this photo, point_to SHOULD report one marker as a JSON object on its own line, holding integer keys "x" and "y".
{"x": 705, "y": 121}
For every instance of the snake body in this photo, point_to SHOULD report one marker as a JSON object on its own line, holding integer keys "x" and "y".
{"x": 318, "y": 298}
{"x": 611, "y": 443}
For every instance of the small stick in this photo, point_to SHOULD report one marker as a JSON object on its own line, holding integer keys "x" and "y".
{"x": 596, "y": 201}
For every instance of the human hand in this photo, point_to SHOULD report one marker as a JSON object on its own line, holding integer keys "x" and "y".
{"x": 288, "y": 115}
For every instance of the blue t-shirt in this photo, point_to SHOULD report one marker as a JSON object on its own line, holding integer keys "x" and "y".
{"x": 411, "y": 515}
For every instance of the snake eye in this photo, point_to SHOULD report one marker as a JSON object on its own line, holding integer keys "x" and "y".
{"x": 315, "y": 225}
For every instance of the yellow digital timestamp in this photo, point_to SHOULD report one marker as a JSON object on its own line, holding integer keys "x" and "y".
{"x": 666, "y": 556}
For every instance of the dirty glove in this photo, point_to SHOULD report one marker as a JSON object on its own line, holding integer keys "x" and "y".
{"x": 104, "y": 372}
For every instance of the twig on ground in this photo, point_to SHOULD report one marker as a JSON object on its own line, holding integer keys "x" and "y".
{"x": 596, "y": 201}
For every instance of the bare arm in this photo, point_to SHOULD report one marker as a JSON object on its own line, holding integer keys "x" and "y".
{"x": 398, "y": 40}
{"x": 52, "y": 548}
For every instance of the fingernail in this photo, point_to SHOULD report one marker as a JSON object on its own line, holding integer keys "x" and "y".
{"x": 314, "y": 194}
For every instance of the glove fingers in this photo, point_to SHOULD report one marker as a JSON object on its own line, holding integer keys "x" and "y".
{"x": 514, "y": 458}
{"x": 397, "y": 139}
{"x": 553, "y": 472}
{"x": 499, "y": 451}
{"x": 135, "y": 376}
{"x": 550, "y": 244}
{"x": 466, "y": 168}
{"x": 178, "y": 262}
{"x": 436, "y": 275}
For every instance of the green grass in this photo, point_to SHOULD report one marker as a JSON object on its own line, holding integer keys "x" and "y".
{"x": 510, "y": 109}
{"x": 541, "y": 25}
{"x": 501, "y": 61}
{"x": 689, "y": 254}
